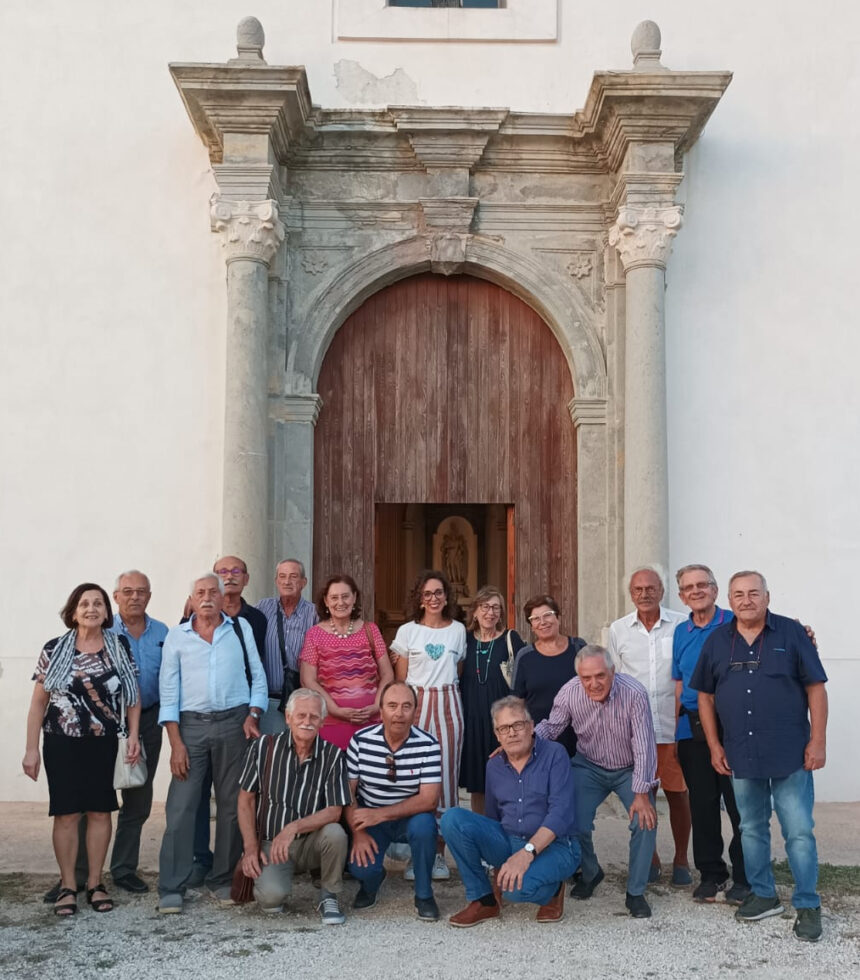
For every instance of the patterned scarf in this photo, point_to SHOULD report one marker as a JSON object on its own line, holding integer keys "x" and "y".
{"x": 59, "y": 673}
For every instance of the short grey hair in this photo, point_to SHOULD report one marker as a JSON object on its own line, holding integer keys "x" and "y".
{"x": 744, "y": 574}
{"x": 656, "y": 569}
{"x": 199, "y": 578}
{"x": 292, "y": 561}
{"x": 302, "y": 694}
{"x": 695, "y": 568}
{"x": 131, "y": 571}
{"x": 593, "y": 650}
{"x": 510, "y": 701}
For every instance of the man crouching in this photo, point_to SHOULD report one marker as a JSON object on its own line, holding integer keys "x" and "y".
{"x": 527, "y": 833}
{"x": 295, "y": 785}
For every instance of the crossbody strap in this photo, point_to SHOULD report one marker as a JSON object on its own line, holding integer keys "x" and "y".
{"x": 238, "y": 630}
{"x": 279, "y": 614}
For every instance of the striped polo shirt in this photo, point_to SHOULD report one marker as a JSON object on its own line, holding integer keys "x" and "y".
{"x": 296, "y": 789}
{"x": 386, "y": 777}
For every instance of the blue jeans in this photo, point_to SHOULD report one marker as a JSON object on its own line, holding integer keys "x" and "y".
{"x": 472, "y": 838}
{"x": 419, "y": 832}
{"x": 793, "y": 798}
{"x": 593, "y": 784}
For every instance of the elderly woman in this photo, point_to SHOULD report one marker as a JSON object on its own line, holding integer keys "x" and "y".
{"x": 428, "y": 654}
{"x": 489, "y": 646}
{"x": 82, "y": 679}
{"x": 547, "y": 663}
{"x": 344, "y": 659}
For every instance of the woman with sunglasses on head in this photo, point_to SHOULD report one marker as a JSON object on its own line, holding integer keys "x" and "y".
{"x": 428, "y": 652}
{"x": 547, "y": 663}
{"x": 489, "y": 645}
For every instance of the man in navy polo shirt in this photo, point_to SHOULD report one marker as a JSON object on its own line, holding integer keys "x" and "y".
{"x": 762, "y": 676}
{"x": 697, "y": 589}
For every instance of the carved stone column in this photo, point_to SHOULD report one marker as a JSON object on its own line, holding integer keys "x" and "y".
{"x": 250, "y": 235}
{"x": 643, "y": 236}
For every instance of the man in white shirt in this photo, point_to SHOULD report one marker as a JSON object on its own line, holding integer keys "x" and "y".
{"x": 641, "y": 646}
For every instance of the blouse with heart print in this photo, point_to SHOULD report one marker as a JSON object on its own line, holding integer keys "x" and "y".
{"x": 433, "y": 654}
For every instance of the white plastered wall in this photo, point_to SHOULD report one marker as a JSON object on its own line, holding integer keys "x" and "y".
{"x": 112, "y": 296}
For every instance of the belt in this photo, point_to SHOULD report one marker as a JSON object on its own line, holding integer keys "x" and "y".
{"x": 274, "y": 697}
{"x": 211, "y": 715}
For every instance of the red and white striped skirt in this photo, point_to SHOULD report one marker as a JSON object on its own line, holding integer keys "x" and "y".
{"x": 440, "y": 712}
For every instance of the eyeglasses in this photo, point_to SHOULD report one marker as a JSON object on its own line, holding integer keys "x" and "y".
{"x": 736, "y": 665}
{"x": 490, "y": 607}
{"x": 229, "y": 571}
{"x": 515, "y": 728}
{"x": 696, "y": 587}
{"x": 543, "y": 618}
{"x": 437, "y": 594}
{"x": 644, "y": 590}
{"x": 128, "y": 593}
{"x": 392, "y": 768}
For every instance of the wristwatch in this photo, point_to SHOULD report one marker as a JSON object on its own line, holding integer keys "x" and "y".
{"x": 256, "y": 714}
{"x": 530, "y": 848}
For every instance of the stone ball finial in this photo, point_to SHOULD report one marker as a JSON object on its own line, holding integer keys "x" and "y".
{"x": 250, "y": 38}
{"x": 645, "y": 45}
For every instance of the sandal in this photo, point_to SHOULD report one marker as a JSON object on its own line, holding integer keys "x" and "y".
{"x": 99, "y": 904}
{"x": 68, "y": 909}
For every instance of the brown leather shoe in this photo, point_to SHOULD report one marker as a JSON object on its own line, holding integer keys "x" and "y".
{"x": 472, "y": 914}
{"x": 553, "y": 911}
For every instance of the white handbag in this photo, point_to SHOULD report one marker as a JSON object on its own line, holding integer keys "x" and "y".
{"x": 125, "y": 775}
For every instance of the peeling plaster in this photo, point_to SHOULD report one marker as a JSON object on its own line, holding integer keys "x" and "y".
{"x": 361, "y": 87}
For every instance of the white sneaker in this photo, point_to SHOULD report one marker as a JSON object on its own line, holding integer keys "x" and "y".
{"x": 330, "y": 912}
{"x": 440, "y": 869}
{"x": 409, "y": 873}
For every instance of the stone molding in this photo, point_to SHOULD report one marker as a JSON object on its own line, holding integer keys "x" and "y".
{"x": 587, "y": 411}
{"x": 248, "y": 229}
{"x": 295, "y": 408}
{"x": 643, "y": 235}
{"x": 453, "y": 214}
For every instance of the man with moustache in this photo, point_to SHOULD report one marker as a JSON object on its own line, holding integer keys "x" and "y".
{"x": 213, "y": 692}
{"x": 762, "y": 677}
{"x": 296, "y": 785}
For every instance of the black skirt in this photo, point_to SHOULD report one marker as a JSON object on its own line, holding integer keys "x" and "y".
{"x": 80, "y": 773}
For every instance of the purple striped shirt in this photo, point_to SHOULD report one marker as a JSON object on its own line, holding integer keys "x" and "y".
{"x": 614, "y": 734}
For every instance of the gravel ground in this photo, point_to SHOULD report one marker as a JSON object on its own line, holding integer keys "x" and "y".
{"x": 597, "y": 939}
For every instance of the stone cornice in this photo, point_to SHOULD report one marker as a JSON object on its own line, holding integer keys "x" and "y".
{"x": 448, "y": 138}
{"x": 295, "y": 408}
{"x": 249, "y": 229}
{"x": 449, "y": 213}
{"x": 587, "y": 411}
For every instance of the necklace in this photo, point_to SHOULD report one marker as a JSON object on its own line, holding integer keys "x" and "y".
{"x": 483, "y": 652}
{"x": 349, "y": 630}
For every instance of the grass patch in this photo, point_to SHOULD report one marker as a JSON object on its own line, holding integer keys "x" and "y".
{"x": 843, "y": 879}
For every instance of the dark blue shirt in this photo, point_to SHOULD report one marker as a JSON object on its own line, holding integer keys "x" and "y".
{"x": 764, "y": 710}
{"x": 539, "y": 796}
{"x": 688, "y": 641}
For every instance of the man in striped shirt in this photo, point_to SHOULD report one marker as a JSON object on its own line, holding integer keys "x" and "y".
{"x": 395, "y": 774}
{"x": 294, "y": 788}
{"x": 616, "y": 752}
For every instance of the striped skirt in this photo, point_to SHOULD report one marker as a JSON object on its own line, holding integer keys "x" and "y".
{"x": 440, "y": 712}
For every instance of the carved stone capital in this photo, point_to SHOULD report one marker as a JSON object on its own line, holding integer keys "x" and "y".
{"x": 249, "y": 229}
{"x": 448, "y": 253}
{"x": 643, "y": 235}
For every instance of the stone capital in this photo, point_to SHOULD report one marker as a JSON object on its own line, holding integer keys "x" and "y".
{"x": 249, "y": 229}
{"x": 295, "y": 408}
{"x": 643, "y": 234}
{"x": 587, "y": 411}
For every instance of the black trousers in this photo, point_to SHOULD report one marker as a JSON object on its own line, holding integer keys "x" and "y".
{"x": 706, "y": 786}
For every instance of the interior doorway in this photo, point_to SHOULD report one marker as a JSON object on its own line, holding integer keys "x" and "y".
{"x": 471, "y": 543}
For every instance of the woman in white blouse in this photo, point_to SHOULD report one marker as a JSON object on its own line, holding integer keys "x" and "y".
{"x": 428, "y": 653}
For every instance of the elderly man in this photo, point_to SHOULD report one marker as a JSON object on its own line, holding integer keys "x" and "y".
{"x": 296, "y": 786}
{"x": 213, "y": 691}
{"x": 615, "y": 753}
{"x": 697, "y": 589}
{"x": 288, "y": 618}
{"x": 762, "y": 677}
{"x": 395, "y": 774}
{"x": 527, "y": 831}
{"x": 641, "y": 646}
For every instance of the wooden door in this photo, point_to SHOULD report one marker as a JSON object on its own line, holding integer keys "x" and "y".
{"x": 447, "y": 390}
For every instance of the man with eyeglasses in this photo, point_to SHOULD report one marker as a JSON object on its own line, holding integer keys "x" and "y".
{"x": 395, "y": 774}
{"x": 761, "y": 676}
{"x": 527, "y": 829}
{"x": 641, "y": 646}
{"x": 697, "y": 589}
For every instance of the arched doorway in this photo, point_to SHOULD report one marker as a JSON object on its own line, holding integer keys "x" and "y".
{"x": 446, "y": 396}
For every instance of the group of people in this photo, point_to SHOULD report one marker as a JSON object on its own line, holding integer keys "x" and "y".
{"x": 323, "y": 748}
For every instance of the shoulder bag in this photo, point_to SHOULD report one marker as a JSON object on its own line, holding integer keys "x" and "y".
{"x": 125, "y": 775}
{"x": 507, "y": 668}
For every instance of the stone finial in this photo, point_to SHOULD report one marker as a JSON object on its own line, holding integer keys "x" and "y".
{"x": 645, "y": 45}
{"x": 250, "y": 38}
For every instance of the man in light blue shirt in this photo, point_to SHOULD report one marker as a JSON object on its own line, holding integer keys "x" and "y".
{"x": 213, "y": 693}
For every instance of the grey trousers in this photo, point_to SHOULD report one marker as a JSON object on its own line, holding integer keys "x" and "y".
{"x": 216, "y": 740}
{"x": 324, "y": 850}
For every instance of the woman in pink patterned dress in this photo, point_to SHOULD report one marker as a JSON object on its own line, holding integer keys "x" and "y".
{"x": 345, "y": 659}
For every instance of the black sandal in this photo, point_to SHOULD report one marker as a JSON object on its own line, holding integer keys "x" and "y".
{"x": 68, "y": 909}
{"x": 99, "y": 904}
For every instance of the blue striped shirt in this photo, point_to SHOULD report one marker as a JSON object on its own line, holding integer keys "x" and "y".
{"x": 295, "y": 626}
{"x": 614, "y": 734}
